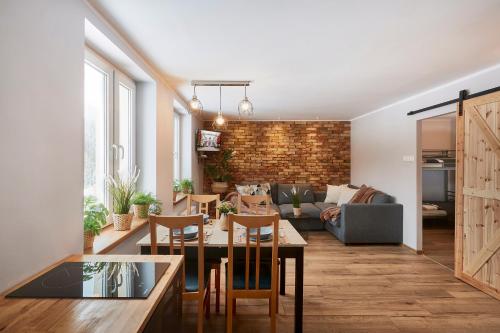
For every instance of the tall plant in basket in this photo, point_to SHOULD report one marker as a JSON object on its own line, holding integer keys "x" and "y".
{"x": 122, "y": 191}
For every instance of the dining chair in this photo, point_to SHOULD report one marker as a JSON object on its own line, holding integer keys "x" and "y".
{"x": 203, "y": 201}
{"x": 254, "y": 278}
{"x": 255, "y": 203}
{"x": 195, "y": 274}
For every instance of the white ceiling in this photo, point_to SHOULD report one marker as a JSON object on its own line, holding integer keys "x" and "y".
{"x": 311, "y": 59}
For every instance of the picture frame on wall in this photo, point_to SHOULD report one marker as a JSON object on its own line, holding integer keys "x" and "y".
{"x": 208, "y": 140}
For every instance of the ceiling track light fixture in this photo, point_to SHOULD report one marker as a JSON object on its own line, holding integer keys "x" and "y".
{"x": 195, "y": 104}
{"x": 219, "y": 122}
{"x": 245, "y": 107}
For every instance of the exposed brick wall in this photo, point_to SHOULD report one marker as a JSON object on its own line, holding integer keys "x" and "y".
{"x": 315, "y": 152}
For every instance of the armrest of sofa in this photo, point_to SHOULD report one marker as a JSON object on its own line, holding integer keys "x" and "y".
{"x": 372, "y": 223}
{"x": 319, "y": 196}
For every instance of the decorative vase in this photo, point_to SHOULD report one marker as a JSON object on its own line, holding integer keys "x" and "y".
{"x": 223, "y": 222}
{"x": 88, "y": 239}
{"x": 219, "y": 187}
{"x": 297, "y": 211}
{"x": 122, "y": 221}
{"x": 141, "y": 211}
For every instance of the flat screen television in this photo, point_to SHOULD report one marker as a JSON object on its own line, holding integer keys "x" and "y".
{"x": 208, "y": 140}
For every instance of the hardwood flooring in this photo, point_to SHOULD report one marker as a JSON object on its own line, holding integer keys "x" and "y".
{"x": 438, "y": 244}
{"x": 369, "y": 289}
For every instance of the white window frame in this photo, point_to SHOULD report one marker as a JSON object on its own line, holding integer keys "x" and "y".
{"x": 114, "y": 78}
{"x": 177, "y": 142}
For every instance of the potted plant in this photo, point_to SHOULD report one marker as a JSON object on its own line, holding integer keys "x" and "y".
{"x": 122, "y": 191}
{"x": 186, "y": 186}
{"x": 297, "y": 211}
{"x": 156, "y": 207}
{"x": 219, "y": 171}
{"x": 177, "y": 188}
{"x": 94, "y": 217}
{"x": 224, "y": 208}
{"x": 141, "y": 202}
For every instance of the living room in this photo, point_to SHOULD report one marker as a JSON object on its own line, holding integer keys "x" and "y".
{"x": 303, "y": 128}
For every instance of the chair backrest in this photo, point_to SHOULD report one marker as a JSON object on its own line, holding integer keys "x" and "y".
{"x": 173, "y": 223}
{"x": 250, "y": 222}
{"x": 254, "y": 203}
{"x": 203, "y": 201}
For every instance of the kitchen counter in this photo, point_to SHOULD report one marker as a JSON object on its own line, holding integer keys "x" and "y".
{"x": 99, "y": 315}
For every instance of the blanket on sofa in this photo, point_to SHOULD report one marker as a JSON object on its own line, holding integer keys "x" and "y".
{"x": 365, "y": 194}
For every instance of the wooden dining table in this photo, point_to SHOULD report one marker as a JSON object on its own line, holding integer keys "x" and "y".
{"x": 291, "y": 246}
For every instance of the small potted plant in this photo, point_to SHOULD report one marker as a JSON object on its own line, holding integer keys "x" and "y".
{"x": 186, "y": 186}
{"x": 219, "y": 171}
{"x": 156, "y": 207}
{"x": 141, "y": 202}
{"x": 297, "y": 211}
{"x": 224, "y": 208}
{"x": 122, "y": 191}
{"x": 177, "y": 188}
{"x": 94, "y": 217}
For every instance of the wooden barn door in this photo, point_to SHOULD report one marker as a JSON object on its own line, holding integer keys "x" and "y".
{"x": 477, "y": 230}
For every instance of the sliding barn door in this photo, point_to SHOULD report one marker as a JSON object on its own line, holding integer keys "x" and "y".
{"x": 477, "y": 234}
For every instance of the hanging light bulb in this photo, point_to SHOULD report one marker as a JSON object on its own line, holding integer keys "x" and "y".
{"x": 195, "y": 103}
{"x": 219, "y": 121}
{"x": 245, "y": 108}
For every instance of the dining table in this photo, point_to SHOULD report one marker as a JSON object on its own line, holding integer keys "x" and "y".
{"x": 291, "y": 246}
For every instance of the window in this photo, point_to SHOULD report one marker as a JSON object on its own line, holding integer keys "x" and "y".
{"x": 109, "y": 140}
{"x": 177, "y": 146}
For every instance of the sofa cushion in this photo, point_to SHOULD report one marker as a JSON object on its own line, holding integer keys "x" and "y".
{"x": 346, "y": 195}
{"x": 324, "y": 205}
{"x": 379, "y": 198}
{"x": 307, "y": 208}
{"x": 333, "y": 193}
{"x": 305, "y": 191}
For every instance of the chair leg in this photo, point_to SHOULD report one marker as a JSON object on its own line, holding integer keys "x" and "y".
{"x": 273, "y": 314}
{"x": 207, "y": 300}
{"x": 229, "y": 319}
{"x": 217, "y": 288}
{"x": 201, "y": 301}
{"x": 234, "y": 305}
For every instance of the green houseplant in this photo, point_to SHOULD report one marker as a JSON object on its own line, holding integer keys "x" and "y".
{"x": 219, "y": 171}
{"x": 94, "y": 217}
{"x": 224, "y": 208}
{"x": 122, "y": 191}
{"x": 295, "y": 197}
{"x": 186, "y": 185}
{"x": 141, "y": 202}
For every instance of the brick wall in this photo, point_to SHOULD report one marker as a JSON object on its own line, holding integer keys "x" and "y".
{"x": 316, "y": 152}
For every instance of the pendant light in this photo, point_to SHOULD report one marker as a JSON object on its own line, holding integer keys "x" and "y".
{"x": 245, "y": 108}
{"x": 195, "y": 103}
{"x": 219, "y": 121}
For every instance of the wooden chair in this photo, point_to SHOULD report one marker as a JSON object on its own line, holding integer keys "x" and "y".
{"x": 254, "y": 203}
{"x": 239, "y": 282}
{"x": 203, "y": 201}
{"x": 195, "y": 277}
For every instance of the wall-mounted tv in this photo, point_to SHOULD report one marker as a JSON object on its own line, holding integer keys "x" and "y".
{"x": 208, "y": 140}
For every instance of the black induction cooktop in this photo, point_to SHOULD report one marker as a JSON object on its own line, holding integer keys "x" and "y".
{"x": 124, "y": 280}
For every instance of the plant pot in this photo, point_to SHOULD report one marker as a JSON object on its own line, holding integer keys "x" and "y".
{"x": 122, "y": 221}
{"x": 141, "y": 211}
{"x": 219, "y": 187}
{"x": 88, "y": 239}
{"x": 297, "y": 211}
{"x": 223, "y": 222}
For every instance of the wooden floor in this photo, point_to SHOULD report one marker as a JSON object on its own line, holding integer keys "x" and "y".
{"x": 438, "y": 244}
{"x": 370, "y": 289}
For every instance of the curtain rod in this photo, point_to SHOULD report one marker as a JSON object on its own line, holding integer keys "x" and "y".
{"x": 463, "y": 95}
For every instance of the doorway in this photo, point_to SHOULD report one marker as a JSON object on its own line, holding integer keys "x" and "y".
{"x": 438, "y": 146}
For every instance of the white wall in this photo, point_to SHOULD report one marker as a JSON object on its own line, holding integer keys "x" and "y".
{"x": 381, "y": 138}
{"x": 41, "y": 135}
{"x": 197, "y": 164}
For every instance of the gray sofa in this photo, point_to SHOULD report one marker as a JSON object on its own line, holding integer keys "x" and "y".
{"x": 380, "y": 221}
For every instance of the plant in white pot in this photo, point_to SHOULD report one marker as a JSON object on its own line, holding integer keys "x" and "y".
{"x": 122, "y": 191}
{"x": 94, "y": 217}
{"x": 141, "y": 202}
{"x": 295, "y": 197}
{"x": 224, "y": 208}
{"x": 219, "y": 171}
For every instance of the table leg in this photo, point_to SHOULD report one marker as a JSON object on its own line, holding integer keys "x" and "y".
{"x": 299, "y": 289}
{"x": 282, "y": 275}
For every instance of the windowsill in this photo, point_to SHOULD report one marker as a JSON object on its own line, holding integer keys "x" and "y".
{"x": 110, "y": 238}
{"x": 180, "y": 198}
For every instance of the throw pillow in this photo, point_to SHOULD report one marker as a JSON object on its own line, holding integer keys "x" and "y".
{"x": 333, "y": 193}
{"x": 346, "y": 195}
